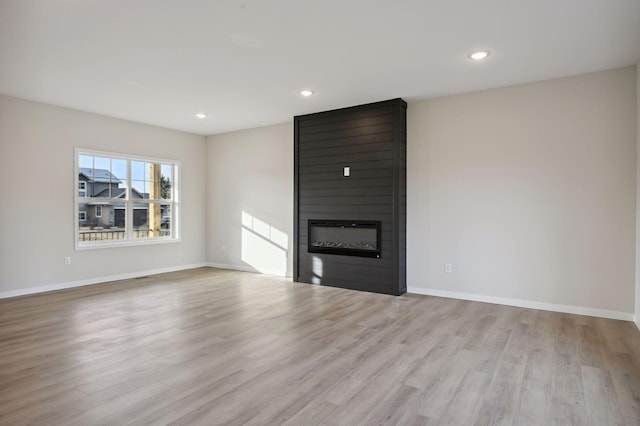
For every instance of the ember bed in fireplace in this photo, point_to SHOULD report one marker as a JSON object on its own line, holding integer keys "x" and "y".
{"x": 345, "y": 237}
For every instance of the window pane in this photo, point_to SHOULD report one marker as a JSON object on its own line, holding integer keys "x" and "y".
{"x": 165, "y": 220}
{"x": 148, "y": 220}
{"x": 102, "y": 163}
{"x": 83, "y": 228}
{"x": 119, "y": 169}
{"x": 109, "y": 226}
{"x": 85, "y": 171}
{"x": 139, "y": 189}
{"x": 166, "y": 181}
{"x": 103, "y": 177}
{"x": 118, "y": 217}
{"x": 118, "y": 183}
{"x": 154, "y": 177}
{"x": 137, "y": 170}
{"x": 85, "y": 161}
{"x": 140, "y": 220}
{"x": 154, "y": 190}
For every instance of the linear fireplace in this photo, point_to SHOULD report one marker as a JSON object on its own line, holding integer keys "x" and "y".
{"x": 345, "y": 237}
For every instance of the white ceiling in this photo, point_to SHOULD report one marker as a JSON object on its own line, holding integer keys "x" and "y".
{"x": 243, "y": 62}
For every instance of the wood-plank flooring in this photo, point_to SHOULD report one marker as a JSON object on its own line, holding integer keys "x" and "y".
{"x": 210, "y": 346}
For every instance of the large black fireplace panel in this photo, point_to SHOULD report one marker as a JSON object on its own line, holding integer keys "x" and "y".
{"x": 350, "y": 169}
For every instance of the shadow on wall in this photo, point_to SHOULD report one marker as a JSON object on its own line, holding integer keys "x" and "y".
{"x": 264, "y": 247}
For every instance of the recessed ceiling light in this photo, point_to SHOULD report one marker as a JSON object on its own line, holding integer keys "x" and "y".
{"x": 480, "y": 54}
{"x": 201, "y": 115}
{"x": 306, "y": 92}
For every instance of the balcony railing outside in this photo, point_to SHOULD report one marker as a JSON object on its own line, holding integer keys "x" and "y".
{"x": 117, "y": 234}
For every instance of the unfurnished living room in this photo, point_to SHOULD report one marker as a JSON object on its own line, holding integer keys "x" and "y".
{"x": 320, "y": 213}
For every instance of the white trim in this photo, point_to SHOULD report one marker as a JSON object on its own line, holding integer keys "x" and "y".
{"x": 637, "y": 321}
{"x": 121, "y": 156}
{"x": 245, "y": 268}
{"x": 521, "y": 303}
{"x": 103, "y": 244}
{"x": 100, "y": 206}
{"x": 98, "y": 280}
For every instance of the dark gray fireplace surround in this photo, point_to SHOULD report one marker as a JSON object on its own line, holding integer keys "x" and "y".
{"x": 350, "y": 197}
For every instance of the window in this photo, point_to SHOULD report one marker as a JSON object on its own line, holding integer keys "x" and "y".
{"x": 125, "y": 200}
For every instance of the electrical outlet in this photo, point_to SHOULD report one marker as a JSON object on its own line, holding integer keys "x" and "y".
{"x": 67, "y": 260}
{"x": 448, "y": 268}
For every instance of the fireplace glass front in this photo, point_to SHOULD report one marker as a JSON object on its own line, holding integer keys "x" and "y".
{"x": 345, "y": 237}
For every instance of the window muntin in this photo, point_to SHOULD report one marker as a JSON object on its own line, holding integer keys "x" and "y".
{"x": 134, "y": 200}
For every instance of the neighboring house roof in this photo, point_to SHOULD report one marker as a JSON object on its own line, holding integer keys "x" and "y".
{"x": 105, "y": 176}
{"x": 118, "y": 193}
{"x": 139, "y": 194}
{"x": 99, "y": 175}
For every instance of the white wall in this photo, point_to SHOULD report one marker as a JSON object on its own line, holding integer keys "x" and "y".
{"x": 250, "y": 199}
{"x": 529, "y": 191}
{"x": 637, "y": 299}
{"x": 37, "y": 210}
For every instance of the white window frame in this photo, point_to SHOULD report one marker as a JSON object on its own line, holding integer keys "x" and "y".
{"x": 128, "y": 202}
{"x": 82, "y": 188}
{"x": 99, "y": 210}
{"x": 82, "y": 218}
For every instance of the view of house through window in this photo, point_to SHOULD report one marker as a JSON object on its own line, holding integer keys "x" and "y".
{"x": 124, "y": 200}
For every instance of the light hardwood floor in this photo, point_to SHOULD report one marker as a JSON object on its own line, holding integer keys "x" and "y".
{"x": 210, "y": 346}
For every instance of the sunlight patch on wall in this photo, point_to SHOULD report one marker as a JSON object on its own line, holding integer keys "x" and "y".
{"x": 264, "y": 247}
{"x": 317, "y": 270}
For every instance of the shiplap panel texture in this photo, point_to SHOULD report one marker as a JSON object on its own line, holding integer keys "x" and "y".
{"x": 371, "y": 141}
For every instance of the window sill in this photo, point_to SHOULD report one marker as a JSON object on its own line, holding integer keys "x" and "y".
{"x": 130, "y": 243}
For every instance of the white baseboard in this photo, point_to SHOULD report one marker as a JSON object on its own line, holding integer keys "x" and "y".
{"x": 637, "y": 321}
{"x": 246, "y": 268}
{"x": 97, "y": 280}
{"x": 578, "y": 310}
{"x": 567, "y": 309}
